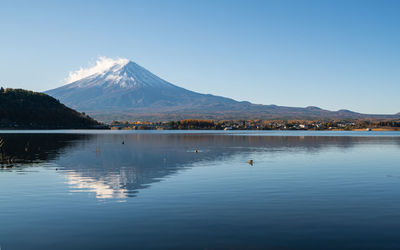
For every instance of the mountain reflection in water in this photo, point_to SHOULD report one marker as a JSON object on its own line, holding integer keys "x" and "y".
{"x": 119, "y": 165}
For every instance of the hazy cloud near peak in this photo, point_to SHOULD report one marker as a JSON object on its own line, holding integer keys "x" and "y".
{"x": 102, "y": 64}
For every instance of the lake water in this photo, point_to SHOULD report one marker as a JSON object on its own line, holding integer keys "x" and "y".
{"x": 150, "y": 189}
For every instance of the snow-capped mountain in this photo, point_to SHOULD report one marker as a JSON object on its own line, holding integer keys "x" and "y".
{"x": 119, "y": 73}
{"x": 121, "y": 85}
{"x": 121, "y": 89}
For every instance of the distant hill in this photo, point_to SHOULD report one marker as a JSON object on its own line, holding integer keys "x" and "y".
{"x": 26, "y": 109}
{"x": 121, "y": 89}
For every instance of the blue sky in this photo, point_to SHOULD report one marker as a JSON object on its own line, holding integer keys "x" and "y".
{"x": 331, "y": 54}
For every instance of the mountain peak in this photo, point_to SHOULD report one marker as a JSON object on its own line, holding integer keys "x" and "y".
{"x": 114, "y": 73}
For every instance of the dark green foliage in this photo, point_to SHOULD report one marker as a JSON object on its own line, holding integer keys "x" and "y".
{"x": 192, "y": 124}
{"x": 27, "y": 109}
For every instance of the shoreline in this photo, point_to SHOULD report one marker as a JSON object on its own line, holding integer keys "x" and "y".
{"x": 199, "y": 129}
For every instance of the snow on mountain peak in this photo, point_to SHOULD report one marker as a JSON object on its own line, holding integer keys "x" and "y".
{"x": 102, "y": 65}
{"x": 114, "y": 73}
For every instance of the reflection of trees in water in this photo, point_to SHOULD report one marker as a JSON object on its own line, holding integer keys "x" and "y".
{"x": 103, "y": 165}
{"x": 19, "y": 149}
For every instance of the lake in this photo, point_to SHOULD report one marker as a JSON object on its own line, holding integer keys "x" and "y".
{"x": 151, "y": 189}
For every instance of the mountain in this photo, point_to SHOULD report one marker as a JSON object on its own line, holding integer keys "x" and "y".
{"x": 121, "y": 89}
{"x": 26, "y": 109}
{"x": 126, "y": 86}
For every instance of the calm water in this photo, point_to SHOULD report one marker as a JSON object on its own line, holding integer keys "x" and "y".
{"x": 130, "y": 190}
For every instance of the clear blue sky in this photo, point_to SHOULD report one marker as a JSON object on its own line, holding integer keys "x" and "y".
{"x": 331, "y": 54}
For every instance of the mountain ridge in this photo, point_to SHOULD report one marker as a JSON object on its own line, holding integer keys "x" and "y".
{"x": 119, "y": 88}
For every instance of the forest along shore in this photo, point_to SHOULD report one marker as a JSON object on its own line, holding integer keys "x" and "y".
{"x": 192, "y": 124}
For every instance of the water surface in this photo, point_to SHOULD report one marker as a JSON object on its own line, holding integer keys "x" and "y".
{"x": 127, "y": 189}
